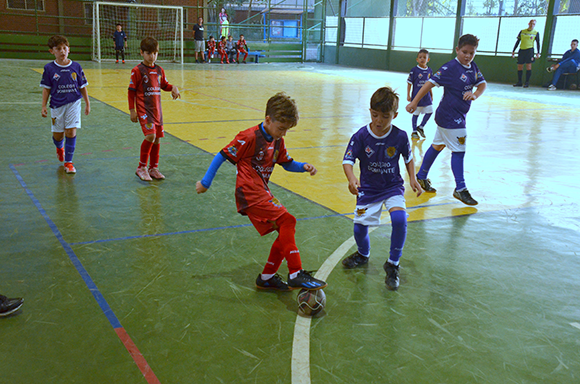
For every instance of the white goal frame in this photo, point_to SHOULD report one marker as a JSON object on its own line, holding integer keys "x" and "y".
{"x": 179, "y": 25}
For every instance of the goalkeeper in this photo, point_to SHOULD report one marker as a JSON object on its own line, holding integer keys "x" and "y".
{"x": 120, "y": 38}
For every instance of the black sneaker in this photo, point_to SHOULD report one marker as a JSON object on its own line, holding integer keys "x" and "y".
{"x": 8, "y": 306}
{"x": 517, "y": 84}
{"x": 421, "y": 131}
{"x": 306, "y": 280}
{"x": 465, "y": 197}
{"x": 426, "y": 185}
{"x": 392, "y": 279}
{"x": 274, "y": 283}
{"x": 526, "y": 85}
{"x": 354, "y": 260}
{"x": 415, "y": 136}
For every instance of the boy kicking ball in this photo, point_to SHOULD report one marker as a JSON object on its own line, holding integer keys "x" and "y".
{"x": 255, "y": 151}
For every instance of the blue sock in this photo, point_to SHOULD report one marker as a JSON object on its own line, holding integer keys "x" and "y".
{"x": 398, "y": 235}
{"x": 426, "y": 119}
{"x": 69, "y": 149}
{"x": 58, "y": 143}
{"x": 457, "y": 168}
{"x": 363, "y": 241}
{"x": 428, "y": 161}
{"x": 414, "y": 121}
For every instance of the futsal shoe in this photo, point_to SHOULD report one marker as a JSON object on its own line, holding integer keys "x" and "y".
{"x": 60, "y": 154}
{"x": 551, "y": 87}
{"x": 518, "y": 84}
{"x": 355, "y": 260}
{"x": 123, "y": 61}
{"x": 8, "y": 306}
{"x": 154, "y": 173}
{"x": 526, "y": 85}
{"x": 392, "y": 279}
{"x": 550, "y": 69}
{"x": 421, "y": 131}
{"x": 142, "y": 173}
{"x": 415, "y": 136}
{"x": 117, "y": 62}
{"x": 465, "y": 197}
{"x": 305, "y": 280}
{"x": 274, "y": 283}
{"x": 69, "y": 168}
{"x": 426, "y": 185}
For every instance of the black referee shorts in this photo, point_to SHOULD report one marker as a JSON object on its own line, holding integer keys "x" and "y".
{"x": 526, "y": 56}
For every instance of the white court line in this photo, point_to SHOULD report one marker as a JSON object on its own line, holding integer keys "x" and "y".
{"x": 575, "y": 325}
{"x": 301, "y": 342}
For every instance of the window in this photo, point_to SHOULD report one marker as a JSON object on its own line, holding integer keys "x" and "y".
{"x": 26, "y": 4}
{"x": 507, "y": 7}
{"x": 569, "y": 7}
{"x": 566, "y": 30}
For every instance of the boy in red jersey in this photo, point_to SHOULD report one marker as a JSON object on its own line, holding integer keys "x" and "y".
{"x": 222, "y": 50}
{"x": 255, "y": 151}
{"x": 242, "y": 47}
{"x": 147, "y": 81}
{"x": 210, "y": 48}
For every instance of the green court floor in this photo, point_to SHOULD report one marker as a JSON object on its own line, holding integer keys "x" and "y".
{"x": 133, "y": 282}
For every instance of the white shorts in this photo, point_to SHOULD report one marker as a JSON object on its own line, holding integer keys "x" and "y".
{"x": 426, "y": 109}
{"x": 370, "y": 214}
{"x": 199, "y": 45}
{"x": 454, "y": 139}
{"x": 66, "y": 117}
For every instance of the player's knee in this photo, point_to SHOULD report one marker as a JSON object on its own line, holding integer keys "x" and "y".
{"x": 438, "y": 147}
{"x": 398, "y": 218}
{"x": 286, "y": 220}
{"x": 150, "y": 138}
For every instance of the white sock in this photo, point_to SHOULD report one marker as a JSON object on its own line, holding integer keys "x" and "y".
{"x": 293, "y": 275}
{"x": 267, "y": 276}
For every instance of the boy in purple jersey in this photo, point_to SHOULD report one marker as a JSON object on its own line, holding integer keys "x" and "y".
{"x": 378, "y": 147}
{"x": 458, "y": 77}
{"x": 65, "y": 82}
{"x": 417, "y": 78}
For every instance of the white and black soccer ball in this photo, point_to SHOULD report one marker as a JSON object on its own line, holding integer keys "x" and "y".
{"x": 311, "y": 303}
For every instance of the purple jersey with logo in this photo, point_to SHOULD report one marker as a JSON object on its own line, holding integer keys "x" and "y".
{"x": 380, "y": 177}
{"x": 456, "y": 79}
{"x": 65, "y": 83}
{"x": 417, "y": 78}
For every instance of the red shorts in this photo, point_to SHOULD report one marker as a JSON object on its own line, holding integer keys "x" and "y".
{"x": 150, "y": 128}
{"x": 265, "y": 214}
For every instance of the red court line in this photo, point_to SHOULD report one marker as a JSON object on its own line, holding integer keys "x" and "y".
{"x": 137, "y": 356}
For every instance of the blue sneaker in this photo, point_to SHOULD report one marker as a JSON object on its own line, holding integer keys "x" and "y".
{"x": 305, "y": 280}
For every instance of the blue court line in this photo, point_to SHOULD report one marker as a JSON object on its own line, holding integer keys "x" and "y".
{"x": 115, "y": 323}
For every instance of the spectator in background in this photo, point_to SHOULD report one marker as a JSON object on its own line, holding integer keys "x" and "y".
{"x": 231, "y": 50}
{"x": 199, "y": 42}
{"x": 224, "y": 23}
{"x": 570, "y": 63}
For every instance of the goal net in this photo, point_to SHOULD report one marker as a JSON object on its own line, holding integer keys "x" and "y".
{"x": 164, "y": 23}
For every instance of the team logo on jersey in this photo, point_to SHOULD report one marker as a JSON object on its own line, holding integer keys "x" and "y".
{"x": 369, "y": 151}
{"x": 233, "y": 151}
{"x": 53, "y": 120}
{"x": 391, "y": 151}
{"x": 242, "y": 142}
{"x": 348, "y": 154}
{"x": 276, "y": 153}
{"x": 149, "y": 126}
{"x": 56, "y": 77}
{"x": 361, "y": 211}
{"x": 461, "y": 140}
{"x": 74, "y": 76}
{"x": 145, "y": 79}
{"x": 276, "y": 202}
{"x": 437, "y": 74}
{"x": 463, "y": 77}
{"x": 260, "y": 156}
{"x": 478, "y": 75}
{"x": 420, "y": 76}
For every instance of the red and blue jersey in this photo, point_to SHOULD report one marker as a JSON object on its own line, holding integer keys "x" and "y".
{"x": 254, "y": 157}
{"x": 380, "y": 176}
{"x": 456, "y": 79}
{"x": 147, "y": 83}
{"x": 64, "y": 81}
{"x": 417, "y": 78}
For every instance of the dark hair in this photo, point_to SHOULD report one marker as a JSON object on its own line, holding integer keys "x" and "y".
{"x": 241, "y": 34}
{"x": 149, "y": 44}
{"x": 575, "y": 40}
{"x": 211, "y": 36}
{"x": 282, "y": 108}
{"x": 118, "y": 24}
{"x": 223, "y": 37}
{"x": 423, "y": 51}
{"x": 57, "y": 40}
{"x": 468, "y": 40}
{"x": 385, "y": 100}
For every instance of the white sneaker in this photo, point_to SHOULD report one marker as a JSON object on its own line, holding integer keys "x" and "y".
{"x": 551, "y": 87}
{"x": 550, "y": 69}
{"x": 154, "y": 173}
{"x": 142, "y": 173}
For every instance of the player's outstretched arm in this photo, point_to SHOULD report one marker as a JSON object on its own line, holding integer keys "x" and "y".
{"x": 310, "y": 168}
{"x": 200, "y": 188}
{"x": 412, "y": 179}
{"x": 426, "y": 88}
{"x": 353, "y": 183}
{"x": 175, "y": 93}
{"x": 45, "y": 95}
{"x": 203, "y": 185}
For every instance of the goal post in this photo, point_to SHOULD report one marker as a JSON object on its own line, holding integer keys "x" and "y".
{"x": 164, "y": 23}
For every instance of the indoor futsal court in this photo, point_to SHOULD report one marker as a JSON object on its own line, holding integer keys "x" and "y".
{"x": 127, "y": 281}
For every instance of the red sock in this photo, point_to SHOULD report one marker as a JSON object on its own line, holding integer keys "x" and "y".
{"x": 285, "y": 246}
{"x": 275, "y": 258}
{"x": 154, "y": 156}
{"x": 145, "y": 150}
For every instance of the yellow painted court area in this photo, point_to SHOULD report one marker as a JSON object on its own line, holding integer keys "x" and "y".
{"x": 219, "y": 101}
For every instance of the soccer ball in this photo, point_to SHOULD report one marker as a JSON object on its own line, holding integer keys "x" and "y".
{"x": 311, "y": 303}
